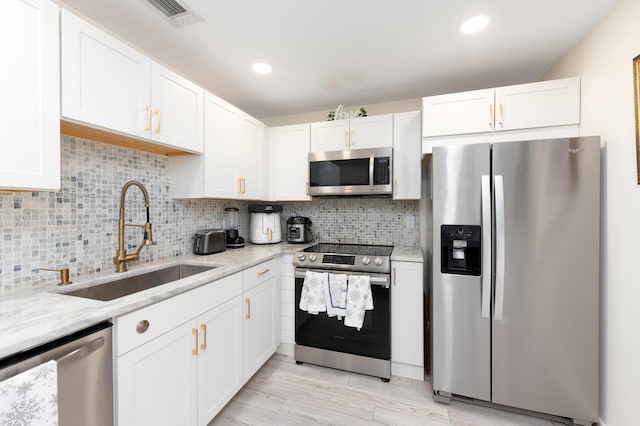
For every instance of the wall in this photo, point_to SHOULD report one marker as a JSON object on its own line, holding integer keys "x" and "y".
{"x": 76, "y": 227}
{"x": 374, "y": 109}
{"x": 604, "y": 61}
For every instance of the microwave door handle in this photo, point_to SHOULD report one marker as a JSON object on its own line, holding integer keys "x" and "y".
{"x": 371, "y": 162}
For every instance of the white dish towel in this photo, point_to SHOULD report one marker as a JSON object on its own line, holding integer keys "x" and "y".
{"x": 336, "y": 295}
{"x": 312, "y": 298}
{"x": 31, "y": 397}
{"x": 359, "y": 300}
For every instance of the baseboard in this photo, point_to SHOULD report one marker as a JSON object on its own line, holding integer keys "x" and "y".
{"x": 415, "y": 372}
{"x": 285, "y": 349}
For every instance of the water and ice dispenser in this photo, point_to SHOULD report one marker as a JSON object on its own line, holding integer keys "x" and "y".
{"x": 460, "y": 249}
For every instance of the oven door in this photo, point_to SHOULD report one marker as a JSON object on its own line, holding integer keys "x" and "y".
{"x": 352, "y": 172}
{"x": 374, "y": 338}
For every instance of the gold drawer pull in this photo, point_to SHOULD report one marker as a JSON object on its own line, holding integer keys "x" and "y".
{"x": 195, "y": 351}
{"x": 148, "y": 109}
{"x": 203, "y": 327}
{"x": 263, "y": 272}
{"x": 248, "y": 302}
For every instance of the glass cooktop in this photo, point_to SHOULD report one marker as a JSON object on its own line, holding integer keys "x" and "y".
{"x": 352, "y": 249}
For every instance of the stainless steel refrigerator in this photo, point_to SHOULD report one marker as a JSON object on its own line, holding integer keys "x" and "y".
{"x": 515, "y": 296}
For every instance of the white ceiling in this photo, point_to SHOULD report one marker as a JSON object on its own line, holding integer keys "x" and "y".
{"x": 351, "y": 52}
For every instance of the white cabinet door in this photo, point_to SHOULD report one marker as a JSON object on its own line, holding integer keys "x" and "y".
{"x": 105, "y": 83}
{"x": 289, "y": 162}
{"x": 407, "y": 156}
{"x": 330, "y": 135}
{"x": 220, "y": 178}
{"x": 178, "y": 110}
{"x": 157, "y": 381}
{"x": 458, "y": 113}
{"x": 30, "y": 100}
{"x": 250, "y": 157}
{"x": 260, "y": 325}
{"x": 371, "y": 132}
{"x": 542, "y": 104}
{"x": 407, "y": 320}
{"x": 220, "y": 358}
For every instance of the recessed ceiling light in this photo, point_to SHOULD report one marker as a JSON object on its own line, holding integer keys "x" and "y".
{"x": 262, "y": 68}
{"x": 475, "y": 24}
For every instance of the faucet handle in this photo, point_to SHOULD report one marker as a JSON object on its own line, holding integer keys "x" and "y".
{"x": 64, "y": 275}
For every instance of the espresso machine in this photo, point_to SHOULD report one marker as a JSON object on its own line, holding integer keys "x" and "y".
{"x": 234, "y": 240}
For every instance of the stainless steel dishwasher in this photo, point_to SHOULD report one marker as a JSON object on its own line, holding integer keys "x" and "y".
{"x": 85, "y": 374}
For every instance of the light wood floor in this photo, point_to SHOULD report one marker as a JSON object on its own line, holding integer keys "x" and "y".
{"x": 283, "y": 393}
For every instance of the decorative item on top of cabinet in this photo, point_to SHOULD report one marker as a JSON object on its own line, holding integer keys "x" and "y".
{"x": 546, "y": 109}
{"x": 356, "y": 133}
{"x": 232, "y": 166}
{"x": 288, "y": 163}
{"x": 109, "y": 87}
{"x": 407, "y": 156}
{"x": 30, "y": 101}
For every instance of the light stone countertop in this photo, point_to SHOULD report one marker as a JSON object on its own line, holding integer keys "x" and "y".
{"x": 406, "y": 254}
{"x": 35, "y": 315}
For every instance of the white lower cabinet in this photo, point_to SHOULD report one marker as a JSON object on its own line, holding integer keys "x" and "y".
{"x": 156, "y": 383}
{"x": 261, "y": 323}
{"x": 407, "y": 320}
{"x": 220, "y": 359}
{"x": 179, "y": 361}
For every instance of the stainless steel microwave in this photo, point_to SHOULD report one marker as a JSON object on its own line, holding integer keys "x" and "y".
{"x": 351, "y": 172}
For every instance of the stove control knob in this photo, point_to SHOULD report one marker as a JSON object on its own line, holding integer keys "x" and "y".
{"x": 366, "y": 260}
{"x": 302, "y": 257}
{"x": 377, "y": 261}
{"x": 313, "y": 258}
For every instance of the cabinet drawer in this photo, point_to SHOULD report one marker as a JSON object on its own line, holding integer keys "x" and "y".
{"x": 259, "y": 273}
{"x": 143, "y": 325}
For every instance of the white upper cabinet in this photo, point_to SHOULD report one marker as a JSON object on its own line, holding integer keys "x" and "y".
{"x": 458, "y": 113}
{"x": 30, "y": 101}
{"x": 539, "y": 110}
{"x": 178, "y": 110}
{"x": 109, "y": 85}
{"x": 407, "y": 156}
{"x": 232, "y": 166}
{"x": 289, "y": 145}
{"x": 543, "y": 104}
{"x": 356, "y": 133}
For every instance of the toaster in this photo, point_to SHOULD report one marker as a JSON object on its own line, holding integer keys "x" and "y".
{"x": 209, "y": 241}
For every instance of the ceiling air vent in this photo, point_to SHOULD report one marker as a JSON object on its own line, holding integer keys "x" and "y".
{"x": 176, "y": 12}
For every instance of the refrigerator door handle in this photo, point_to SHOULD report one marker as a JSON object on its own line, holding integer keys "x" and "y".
{"x": 500, "y": 246}
{"x": 486, "y": 246}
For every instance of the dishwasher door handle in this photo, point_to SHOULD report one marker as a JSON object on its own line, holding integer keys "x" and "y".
{"x": 83, "y": 350}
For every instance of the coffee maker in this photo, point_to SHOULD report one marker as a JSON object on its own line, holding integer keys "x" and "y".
{"x": 265, "y": 224}
{"x": 234, "y": 240}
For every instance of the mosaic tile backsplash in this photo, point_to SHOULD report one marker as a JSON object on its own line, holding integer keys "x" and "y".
{"x": 76, "y": 227}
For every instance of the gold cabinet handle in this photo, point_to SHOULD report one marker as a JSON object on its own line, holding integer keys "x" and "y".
{"x": 248, "y": 302}
{"x": 346, "y": 139}
{"x": 263, "y": 272}
{"x": 352, "y": 138}
{"x": 203, "y": 327}
{"x": 157, "y": 112}
{"x": 148, "y": 109}
{"x": 395, "y": 274}
{"x": 142, "y": 326}
{"x": 244, "y": 185}
{"x": 491, "y": 115}
{"x": 501, "y": 112}
{"x": 195, "y": 350}
{"x": 239, "y": 185}
{"x": 270, "y": 233}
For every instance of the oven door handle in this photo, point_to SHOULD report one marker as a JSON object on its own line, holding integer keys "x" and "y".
{"x": 379, "y": 280}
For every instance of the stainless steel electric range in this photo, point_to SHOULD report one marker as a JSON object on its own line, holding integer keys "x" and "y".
{"x": 327, "y": 341}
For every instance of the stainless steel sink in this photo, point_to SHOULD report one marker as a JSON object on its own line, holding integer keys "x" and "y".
{"x": 129, "y": 285}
